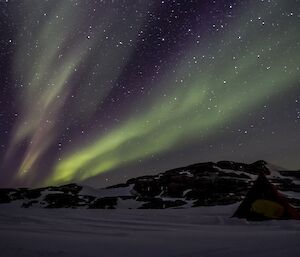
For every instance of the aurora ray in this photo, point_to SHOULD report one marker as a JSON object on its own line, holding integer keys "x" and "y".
{"x": 103, "y": 87}
{"x": 193, "y": 110}
{"x": 49, "y": 69}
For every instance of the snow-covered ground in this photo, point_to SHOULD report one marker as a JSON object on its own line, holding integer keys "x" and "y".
{"x": 194, "y": 232}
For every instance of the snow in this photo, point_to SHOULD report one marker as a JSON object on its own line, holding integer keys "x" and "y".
{"x": 291, "y": 194}
{"x": 274, "y": 170}
{"x": 108, "y": 192}
{"x": 88, "y": 190}
{"x": 128, "y": 204}
{"x": 238, "y": 172}
{"x": 187, "y": 173}
{"x": 194, "y": 232}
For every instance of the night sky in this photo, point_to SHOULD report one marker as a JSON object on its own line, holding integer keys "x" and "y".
{"x": 97, "y": 92}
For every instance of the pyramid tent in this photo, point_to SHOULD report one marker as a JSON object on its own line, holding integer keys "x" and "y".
{"x": 263, "y": 201}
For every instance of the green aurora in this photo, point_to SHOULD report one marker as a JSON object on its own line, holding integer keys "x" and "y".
{"x": 219, "y": 91}
{"x": 70, "y": 59}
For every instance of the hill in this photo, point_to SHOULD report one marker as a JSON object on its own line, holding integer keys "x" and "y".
{"x": 201, "y": 184}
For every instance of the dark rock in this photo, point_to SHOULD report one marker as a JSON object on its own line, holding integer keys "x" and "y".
{"x": 68, "y": 189}
{"x": 223, "y": 185}
{"x": 29, "y": 204}
{"x": 118, "y": 186}
{"x": 253, "y": 168}
{"x": 295, "y": 202}
{"x": 19, "y": 194}
{"x": 258, "y": 167}
{"x": 202, "y": 169}
{"x": 63, "y": 200}
{"x": 5, "y": 195}
{"x": 175, "y": 189}
{"x": 228, "y": 165}
{"x": 148, "y": 187}
{"x": 295, "y": 174}
{"x": 197, "y": 194}
{"x": 127, "y": 197}
{"x": 104, "y": 203}
{"x": 233, "y": 175}
{"x": 33, "y": 193}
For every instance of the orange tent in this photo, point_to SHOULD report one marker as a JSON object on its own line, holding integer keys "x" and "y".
{"x": 263, "y": 201}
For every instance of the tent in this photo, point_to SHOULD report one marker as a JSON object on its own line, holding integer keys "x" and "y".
{"x": 263, "y": 201}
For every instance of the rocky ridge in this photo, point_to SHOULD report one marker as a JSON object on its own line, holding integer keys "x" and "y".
{"x": 201, "y": 184}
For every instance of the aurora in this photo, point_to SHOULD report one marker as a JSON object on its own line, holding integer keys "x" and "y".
{"x": 107, "y": 88}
